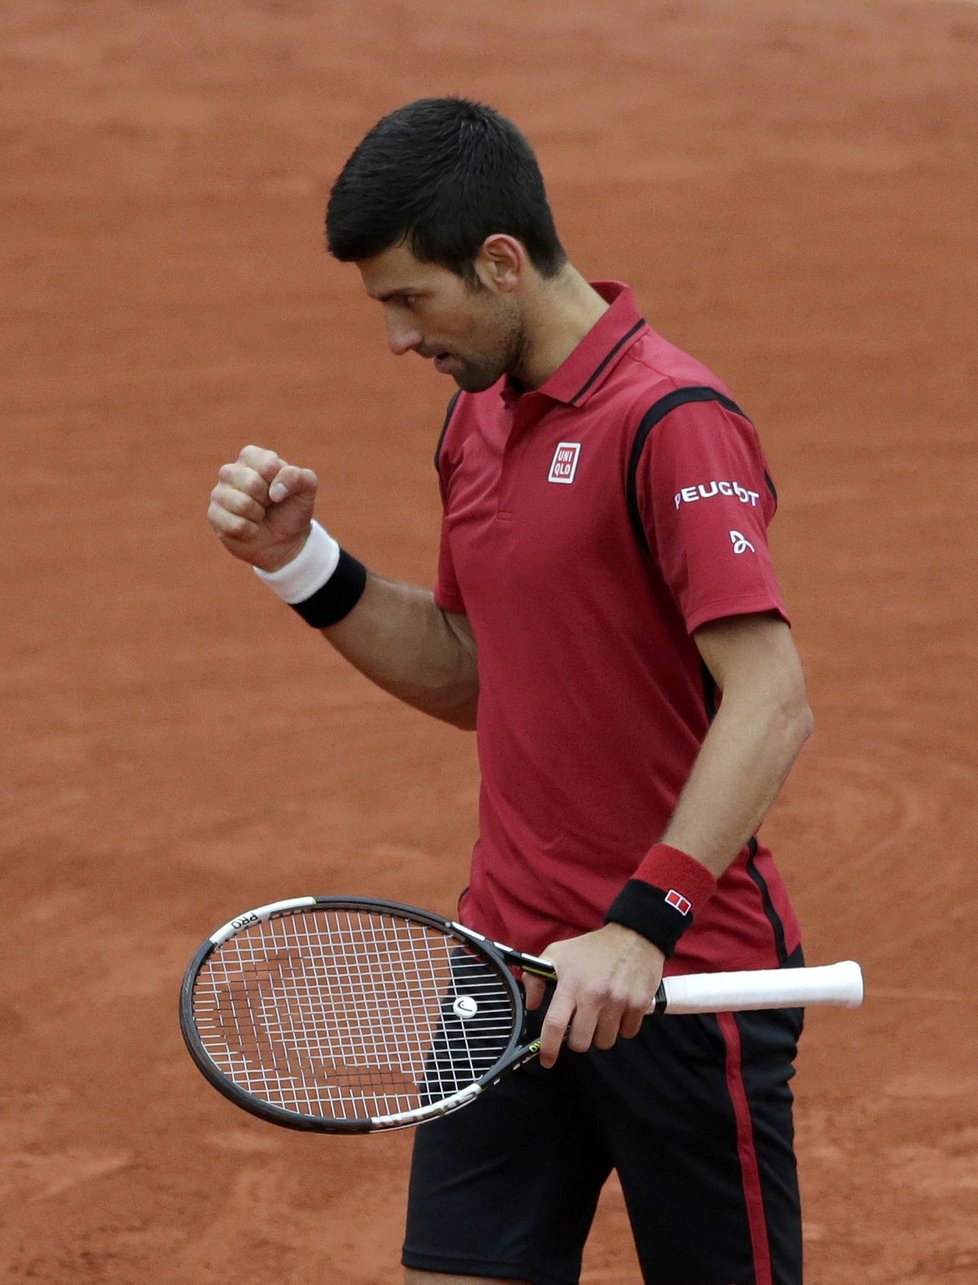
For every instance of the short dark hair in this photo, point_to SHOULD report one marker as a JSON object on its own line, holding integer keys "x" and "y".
{"x": 441, "y": 175}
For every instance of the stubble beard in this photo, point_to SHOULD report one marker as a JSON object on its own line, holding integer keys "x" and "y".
{"x": 508, "y": 359}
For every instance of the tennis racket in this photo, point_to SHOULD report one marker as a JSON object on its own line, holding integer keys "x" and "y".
{"x": 345, "y": 1015}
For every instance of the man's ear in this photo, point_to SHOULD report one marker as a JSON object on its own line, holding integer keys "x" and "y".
{"x": 502, "y": 263}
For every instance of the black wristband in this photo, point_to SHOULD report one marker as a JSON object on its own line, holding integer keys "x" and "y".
{"x": 337, "y": 597}
{"x": 651, "y": 912}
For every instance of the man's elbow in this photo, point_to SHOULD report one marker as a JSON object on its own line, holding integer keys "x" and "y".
{"x": 462, "y": 717}
{"x": 798, "y": 720}
{"x": 806, "y": 724}
{"x": 458, "y": 709}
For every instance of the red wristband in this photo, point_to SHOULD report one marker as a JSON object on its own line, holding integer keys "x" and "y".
{"x": 659, "y": 902}
{"x": 676, "y": 872}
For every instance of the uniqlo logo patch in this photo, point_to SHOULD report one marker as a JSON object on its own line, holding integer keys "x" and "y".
{"x": 564, "y": 464}
{"x": 678, "y": 901}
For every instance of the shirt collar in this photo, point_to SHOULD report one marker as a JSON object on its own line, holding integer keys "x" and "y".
{"x": 598, "y": 352}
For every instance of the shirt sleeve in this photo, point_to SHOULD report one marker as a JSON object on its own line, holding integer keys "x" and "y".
{"x": 706, "y": 500}
{"x": 448, "y": 595}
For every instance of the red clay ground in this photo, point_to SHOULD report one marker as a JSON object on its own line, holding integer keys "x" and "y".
{"x": 790, "y": 189}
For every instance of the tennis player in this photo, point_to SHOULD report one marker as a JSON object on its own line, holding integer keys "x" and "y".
{"x": 606, "y": 617}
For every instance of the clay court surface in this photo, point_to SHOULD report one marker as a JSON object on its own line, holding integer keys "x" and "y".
{"x": 791, "y": 191}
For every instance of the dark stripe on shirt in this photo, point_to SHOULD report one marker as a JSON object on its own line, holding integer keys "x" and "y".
{"x": 444, "y": 428}
{"x": 773, "y": 918}
{"x": 639, "y": 325}
{"x": 710, "y": 692}
{"x": 681, "y": 397}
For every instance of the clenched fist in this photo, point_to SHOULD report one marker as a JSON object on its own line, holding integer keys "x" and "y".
{"x": 261, "y": 508}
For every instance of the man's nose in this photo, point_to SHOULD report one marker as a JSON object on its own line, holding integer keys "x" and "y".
{"x": 401, "y": 338}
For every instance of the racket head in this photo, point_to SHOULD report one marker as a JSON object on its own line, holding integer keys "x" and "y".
{"x": 350, "y": 1015}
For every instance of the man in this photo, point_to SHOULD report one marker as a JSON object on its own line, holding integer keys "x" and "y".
{"x": 607, "y": 618}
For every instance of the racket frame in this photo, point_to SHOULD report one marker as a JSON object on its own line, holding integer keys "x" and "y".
{"x": 501, "y": 957}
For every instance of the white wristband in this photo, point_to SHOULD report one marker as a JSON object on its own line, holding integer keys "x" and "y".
{"x": 309, "y": 569}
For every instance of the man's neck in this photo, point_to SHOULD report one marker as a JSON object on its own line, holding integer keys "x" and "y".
{"x": 560, "y": 311}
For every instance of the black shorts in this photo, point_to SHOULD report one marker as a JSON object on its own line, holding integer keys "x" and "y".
{"x": 694, "y": 1114}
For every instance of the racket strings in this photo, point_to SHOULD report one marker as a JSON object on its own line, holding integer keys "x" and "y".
{"x": 351, "y": 1014}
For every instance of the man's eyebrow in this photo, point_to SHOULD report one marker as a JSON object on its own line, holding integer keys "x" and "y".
{"x": 386, "y": 295}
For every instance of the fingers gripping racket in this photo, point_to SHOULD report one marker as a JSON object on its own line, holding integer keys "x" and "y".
{"x": 345, "y": 1015}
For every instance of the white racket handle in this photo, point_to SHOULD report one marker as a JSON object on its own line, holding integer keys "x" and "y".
{"x": 764, "y": 988}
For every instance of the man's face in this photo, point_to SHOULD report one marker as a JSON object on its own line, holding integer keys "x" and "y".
{"x": 473, "y": 333}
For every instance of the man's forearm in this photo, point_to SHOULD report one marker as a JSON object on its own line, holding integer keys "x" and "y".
{"x": 400, "y": 639}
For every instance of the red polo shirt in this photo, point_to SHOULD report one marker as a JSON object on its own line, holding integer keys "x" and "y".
{"x": 590, "y": 526}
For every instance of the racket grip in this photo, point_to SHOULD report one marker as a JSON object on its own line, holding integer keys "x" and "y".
{"x": 762, "y": 988}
